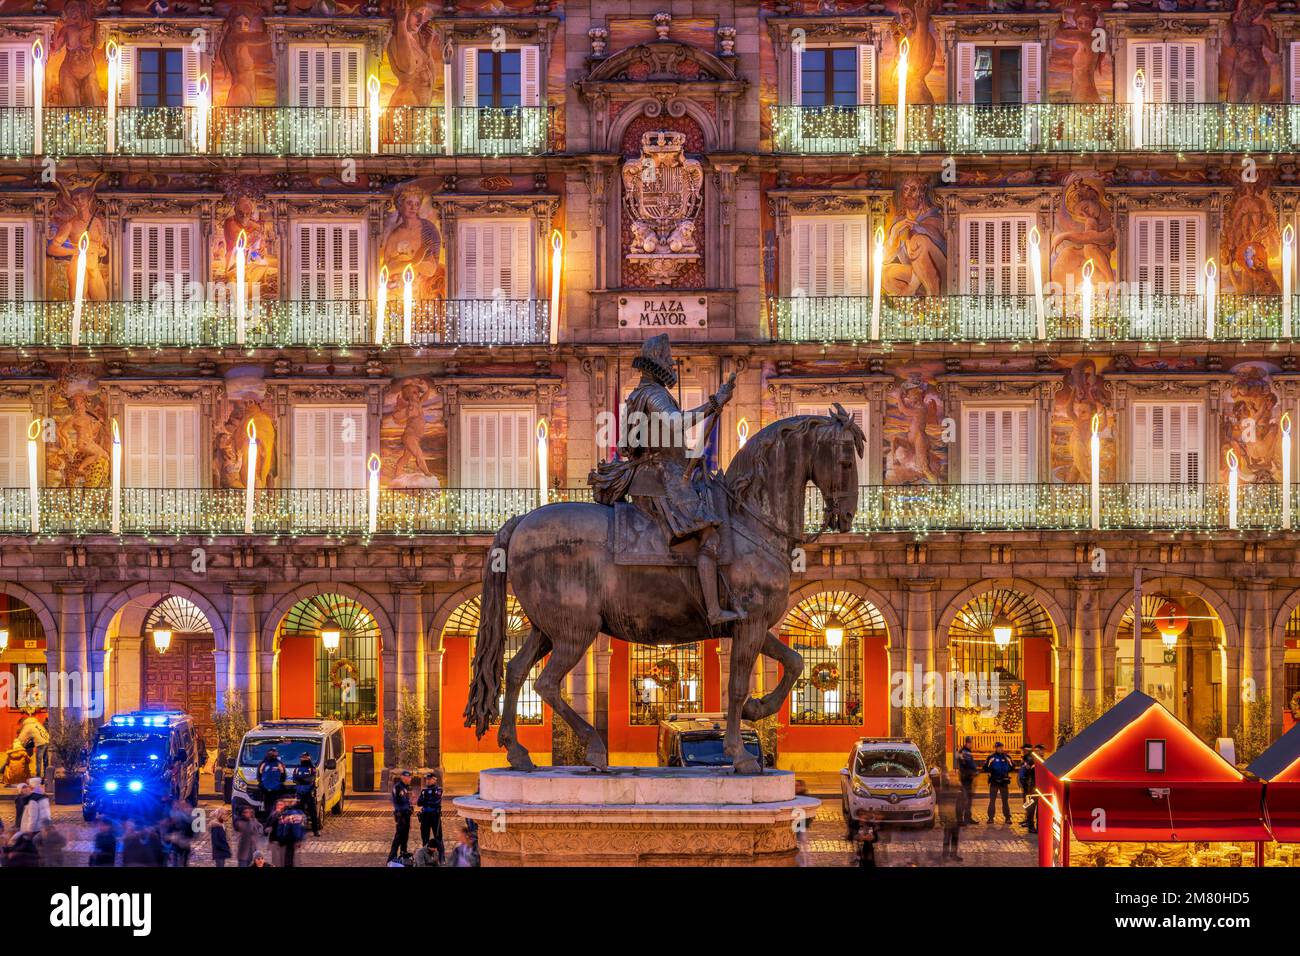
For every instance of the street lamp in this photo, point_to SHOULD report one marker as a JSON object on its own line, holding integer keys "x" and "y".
{"x": 1003, "y": 630}
{"x": 330, "y": 635}
{"x": 834, "y": 633}
{"x": 162, "y": 639}
{"x": 4, "y": 639}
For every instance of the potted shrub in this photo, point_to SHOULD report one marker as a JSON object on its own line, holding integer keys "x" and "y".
{"x": 70, "y": 739}
{"x": 230, "y": 724}
{"x": 405, "y": 736}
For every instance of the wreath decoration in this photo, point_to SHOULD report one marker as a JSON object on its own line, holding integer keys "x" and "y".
{"x": 341, "y": 670}
{"x": 825, "y": 677}
{"x": 665, "y": 673}
{"x": 1295, "y": 705}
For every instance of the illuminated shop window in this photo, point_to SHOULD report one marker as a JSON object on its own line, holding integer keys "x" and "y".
{"x": 828, "y": 630}
{"x": 665, "y": 680}
{"x": 464, "y": 622}
{"x": 347, "y": 678}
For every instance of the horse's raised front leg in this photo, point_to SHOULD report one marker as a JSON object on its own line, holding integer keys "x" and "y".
{"x": 534, "y": 648}
{"x": 566, "y": 652}
{"x": 756, "y": 708}
{"x": 744, "y": 651}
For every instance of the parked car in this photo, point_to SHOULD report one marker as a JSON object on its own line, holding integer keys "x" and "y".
{"x": 695, "y": 740}
{"x": 292, "y": 737}
{"x": 887, "y": 777}
{"x": 139, "y": 763}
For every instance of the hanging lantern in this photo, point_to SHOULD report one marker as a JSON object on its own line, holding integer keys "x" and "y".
{"x": 1170, "y": 621}
{"x": 4, "y": 639}
{"x": 834, "y": 633}
{"x": 1003, "y": 630}
{"x": 330, "y": 636}
{"x": 162, "y": 639}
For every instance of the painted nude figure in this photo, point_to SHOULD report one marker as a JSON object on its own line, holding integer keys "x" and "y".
{"x": 78, "y": 76}
{"x": 241, "y": 46}
{"x": 75, "y": 212}
{"x": 409, "y": 414}
{"x": 1076, "y": 43}
{"x": 410, "y": 55}
{"x": 914, "y": 18}
{"x": 916, "y": 248}
{"x": 415, "y": 241}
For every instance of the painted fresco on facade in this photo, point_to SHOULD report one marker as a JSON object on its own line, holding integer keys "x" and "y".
{"x": 1249, "y": 424}
{"x": 243, "y": 210}
{"x": 912, "y": 432}
{"x": 412, "y": 238}
{"x": 1084, "y": 231}
{"x": 245, "y": 401}
{"x": 76, "y": 212}
{"x": 1079, "y": 398}
{"x": 916, "y": 245}
{"x": 1250, "y": 64}
{"x": 1250, "y": 242}
{"x": 413, "y": 435}
{"x": 78, "y": 457}
{"x": 1076, "y": 71}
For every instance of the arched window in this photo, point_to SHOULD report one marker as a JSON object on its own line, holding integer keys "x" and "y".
{"x": 178, "y": 615}
{"x": 667, "y": 679}
{"x": 347, "y": 679}
{"x": 828, "y": 629}
{"x": 464, "y": 622}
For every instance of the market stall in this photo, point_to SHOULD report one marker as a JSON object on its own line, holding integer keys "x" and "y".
{"x": 1138, "y": 788}
{"x": 1279, "y": 768}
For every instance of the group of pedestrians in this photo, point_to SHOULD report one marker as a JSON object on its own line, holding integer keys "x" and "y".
{"x": 428, "y": 804}
{"x": 955, "y": 805}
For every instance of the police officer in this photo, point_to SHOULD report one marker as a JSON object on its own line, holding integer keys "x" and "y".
{"x": 401, "y": 795}
{"x": 430, "y": 804}
{"x": 271, "y": 777}
{"x": 304, "y": 788}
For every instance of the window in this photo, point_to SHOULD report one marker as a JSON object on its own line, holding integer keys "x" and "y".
{"x": 664, "y": 680}
{"x": 500, "y": 80}
{"x": 997, "y": 446}
{"x": 495, "y": 259}
{"x": 830, "y": 256}
{"x": 159, "y": 77}
{"x": 13, "y": 447}
{"x": 836, "y": 76}
{"x": 497, "y": 448}
{"x": 327, "y": 76}
{"x": 15, "y": 282}
{"x": 1172, "y": 71}
{"x": 330, "y": 261}
{"x": 329, "y": 446}
{"x": 15, "y": 79}
{"x": 1167, "y": 253}
{"x": 995, "y": 251}
{"x": 1167, "y": 442}
{"x": 1295, "y": 72}
{"x": 1155, "y": 756}
{"x": 860, "y": 418}
{"x": 160, "y": 446}
{"x": 1003, "y": 74}
{"x": 160, "y": 260}
{"x": 347, "y": 680}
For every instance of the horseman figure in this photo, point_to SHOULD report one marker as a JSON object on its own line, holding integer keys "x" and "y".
{"x": 664, "y": 479}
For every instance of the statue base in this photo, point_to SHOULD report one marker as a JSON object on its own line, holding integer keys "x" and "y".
{"x": 636, "y": 816}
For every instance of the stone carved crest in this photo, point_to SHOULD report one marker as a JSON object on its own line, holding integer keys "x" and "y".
{"x": 663, "y": 189}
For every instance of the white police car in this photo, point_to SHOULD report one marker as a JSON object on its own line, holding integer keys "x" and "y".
{"x": 887, "y": 777}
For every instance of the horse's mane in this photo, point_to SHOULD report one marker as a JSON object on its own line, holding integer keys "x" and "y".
{"x": 751, "y": 464}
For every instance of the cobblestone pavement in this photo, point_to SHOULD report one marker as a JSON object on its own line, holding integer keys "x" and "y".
{"x": 361, "y": 835}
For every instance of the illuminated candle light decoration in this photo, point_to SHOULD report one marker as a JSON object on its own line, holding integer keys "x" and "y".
{"x": 241, "y": 297}
{"x": 372, "y": 88}
{"x": 1139, "y": 88}
{"x": 1211, "y": 295}
{"x": 1036, "y": 270}
{"x": 408, "y": 303}
{"x": 742, "y": 433}
{"x": 1232, "y": 490}
{"x": 202, "y": 106}
{"x": 112, "y": 53}
{"x": 381, "y": 306}
{"x": 1288, "y": 258}
{"x": 877, "y": 267}
{"x": 900, "y": 120}
{"x": 38, "y": 97}
{"x": 1095, "y": 482}
{"x": 33, "y": 487}
{"x": 543, "y": 461}
{"x": 79, "y": 294}
{"x": 116, "y": 526}
{"x": 1085, "y": 302}
{"x": 557, "y": 266}
{"x": 250, "y": 480}
{"x": 372, "y": 514}
{"x": 1286, "y": 470}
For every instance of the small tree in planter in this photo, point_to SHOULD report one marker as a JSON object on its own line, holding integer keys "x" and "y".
{"x": 407, "y": 734}
{"x": 70, "y": 738}
{"x": 1254, "y": 736}
{"x": 230, "y": 724}
{"x": 926, "y": 727}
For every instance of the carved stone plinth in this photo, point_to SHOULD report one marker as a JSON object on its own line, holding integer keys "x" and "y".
{"x": 636, "y": 816}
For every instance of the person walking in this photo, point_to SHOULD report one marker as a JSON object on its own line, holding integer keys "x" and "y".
{"x": 304, "y": 788}
{"x": 246, "y": 831}
{"x": 20, "y": 802}
{"x": 143, "y": 847}
{"x": 866, "y": 838}
{"x": 998, "y": 767}
{"x": 50, "y": 844}
{"x": 288, "y": 828}
{"x": 220, "y": 840}
{"x": 1029, "y": 784}
{"x": 466, "y": 851}
{"x": 401, "y": 815}
{"x": 966, "y": 771}
{"x": 103, "y": 851}
{"x": 178, "y": 833}
{"x": 36, "y": 809}
{"x": 271, "y": 777}
{"x": 951, "y": 808}
{"x": 430, "y": 804}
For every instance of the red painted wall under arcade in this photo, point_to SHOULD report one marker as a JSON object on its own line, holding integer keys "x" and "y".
{"x": 297, "y": 668}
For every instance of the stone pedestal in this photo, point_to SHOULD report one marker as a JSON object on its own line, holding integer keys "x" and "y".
{"x": 636, "y": 816}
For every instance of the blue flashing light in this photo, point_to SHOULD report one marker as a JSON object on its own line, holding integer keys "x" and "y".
{"x": 153, "y": 756}
{"x": 110, "y": 786}
{"x": 135, "y": 786}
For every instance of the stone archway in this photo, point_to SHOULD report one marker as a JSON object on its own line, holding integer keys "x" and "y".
{"x": 28, "y": 659}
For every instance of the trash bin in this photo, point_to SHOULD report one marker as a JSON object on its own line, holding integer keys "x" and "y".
{"x": 363, "y": 769}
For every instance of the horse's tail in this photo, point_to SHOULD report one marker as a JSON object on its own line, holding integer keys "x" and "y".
{"x": 489, "y": 648}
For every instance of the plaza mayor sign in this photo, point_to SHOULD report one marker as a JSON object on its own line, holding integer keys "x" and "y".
{"x": 663, "y": 311}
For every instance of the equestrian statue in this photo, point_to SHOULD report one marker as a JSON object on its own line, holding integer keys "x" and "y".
{"x": 654, "y": 569}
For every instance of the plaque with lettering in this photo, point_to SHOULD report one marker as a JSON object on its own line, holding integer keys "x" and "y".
{"x": 663, "y": 312}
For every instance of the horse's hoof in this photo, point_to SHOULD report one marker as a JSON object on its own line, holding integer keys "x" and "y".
{"x": 519, "y": 759}
{"x": 598, "y": 758}
{"x": 748, "y": 766}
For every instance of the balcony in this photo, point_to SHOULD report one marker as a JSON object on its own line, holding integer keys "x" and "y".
{"x": 275, "y": 131}
{"x": 344, "y": 323}
{"x": 1120, "y": 317}
{"x": 909, "y": 509}
{"x": 968, "y": 129}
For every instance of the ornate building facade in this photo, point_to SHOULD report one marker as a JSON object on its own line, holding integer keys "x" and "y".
{"x": 260, "y": 258}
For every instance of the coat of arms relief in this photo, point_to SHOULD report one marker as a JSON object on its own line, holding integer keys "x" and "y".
{"x": 662, "y": 190}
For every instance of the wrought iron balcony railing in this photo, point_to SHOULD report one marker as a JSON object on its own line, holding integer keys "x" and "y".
{"x": 1126, "y": 317}
{"x": 881, "y": 508}
{"x": 957, "y": 128}
{"x": 274, "y": 131}
{"x": 274, "y": 324}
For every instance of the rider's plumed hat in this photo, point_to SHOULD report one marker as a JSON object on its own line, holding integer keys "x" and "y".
{"x": 656, "y": 360}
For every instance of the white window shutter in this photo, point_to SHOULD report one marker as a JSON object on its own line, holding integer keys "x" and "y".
{"x": 1167, "y": 254}
{"x": 997, "y": 254}
{"x": 160, "y": 446}
{"x": 495, "y": 259}
{"x": 322, "y": 455}
{"x": 830, "y": 255}
{"x": 126, "y": 75}
{"x": 310, "y": 447}
{"x": 997, "y": 446}
{"x": 1168, "y": 442}
{"x": 471, "y": 271}
{"x": 1185, "y": 61}
{"x": 469, "y": 76}
{"x": 498, "y": 448}
{"x": 192, "y": 66}
{"x": 530, "y": 79}
{"x": 796, "y": 78}
{"x": 331, "y": 261}
{"x": 15, "y": 79}
{"x": 15, "y": 284}
{"x": 1143, "y": 451}
{"x": 855, "y": 256}
{"x": 1031, "y": 72}
{"x": 866, "y": 74}
{"x": 965, "y": 72}
{"x": 301, "y": 80}
{"x": 1294, "y": 67}
{"x": 803, "y": 254}
{"x": 159, "y": 253}
{"x": 13, "y": 448}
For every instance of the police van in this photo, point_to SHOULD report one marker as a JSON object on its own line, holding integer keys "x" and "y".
{"x": 291, "y": 737}
{"x": 140, "y": 763}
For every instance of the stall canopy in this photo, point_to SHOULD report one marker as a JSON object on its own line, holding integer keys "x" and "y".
{"x": 1139, "y": 774}
{"x": 1279, "y": 768}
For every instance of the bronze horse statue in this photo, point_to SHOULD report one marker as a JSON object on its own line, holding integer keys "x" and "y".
{"x": 560, "y": 566}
